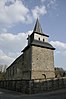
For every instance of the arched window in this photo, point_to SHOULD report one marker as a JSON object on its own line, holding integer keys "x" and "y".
{"x": 44, "y": 76}
{"x": 39, "y": 38}
{"x": 43, "y": 40}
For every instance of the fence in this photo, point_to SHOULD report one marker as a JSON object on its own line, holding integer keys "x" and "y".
{"x": 33, "y": 86}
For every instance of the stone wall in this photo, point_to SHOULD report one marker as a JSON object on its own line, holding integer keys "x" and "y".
{"x": 21, "y": 67}
{"x": 26, "y": 69}
{"x": 42, "y": 63}
{"x": 33, "y": 86}
{"x": 14, "y": 71}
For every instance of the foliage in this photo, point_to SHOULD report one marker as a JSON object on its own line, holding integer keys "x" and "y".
{"x": 59, "y": 72}
{"x": 3, "y": 72}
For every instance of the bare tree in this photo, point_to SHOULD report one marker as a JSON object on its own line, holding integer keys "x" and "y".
{"x": 4, "y": 68}
{"x": 3, "y": 72}
{"x": 1, "y": 68}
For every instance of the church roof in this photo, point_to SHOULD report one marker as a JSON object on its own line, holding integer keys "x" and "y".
{"x": 38, "y": 29}
{"x": 39, "y": 44}
{"x": 16, "y": 60}
{"x": 42, "y": 44}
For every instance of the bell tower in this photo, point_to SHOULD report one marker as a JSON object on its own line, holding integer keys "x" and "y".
{"x": 37, "y": 34}
{"x": 39, "y": 55}
{"x": 42, "y": 56}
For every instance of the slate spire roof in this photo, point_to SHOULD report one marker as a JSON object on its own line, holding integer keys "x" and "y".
{"x": 38, "y": 30}
{"x": 37, "y": 27}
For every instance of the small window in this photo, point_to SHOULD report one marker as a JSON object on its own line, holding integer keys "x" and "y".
{"x": 43, "y": 40}
{"x": 39, "y": 38}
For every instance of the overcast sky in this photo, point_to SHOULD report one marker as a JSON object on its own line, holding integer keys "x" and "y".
{"x": 17, "y": 20}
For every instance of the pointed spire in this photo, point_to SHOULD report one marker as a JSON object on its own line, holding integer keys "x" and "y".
{"x": 37, "y": 27}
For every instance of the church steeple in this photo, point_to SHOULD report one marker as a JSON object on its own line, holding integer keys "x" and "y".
{"x": 37, "y": 34}
{"x": 37, "y": 27}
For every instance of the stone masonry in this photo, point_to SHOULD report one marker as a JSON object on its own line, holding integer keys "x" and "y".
{"x": 42, "y": 63}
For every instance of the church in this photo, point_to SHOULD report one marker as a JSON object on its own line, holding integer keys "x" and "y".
{"x": 36, "y": 60}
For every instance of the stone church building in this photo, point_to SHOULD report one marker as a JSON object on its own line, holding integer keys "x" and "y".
{"x": 36, "y": 60}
